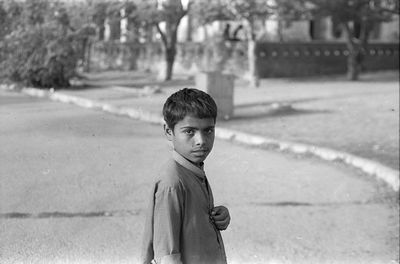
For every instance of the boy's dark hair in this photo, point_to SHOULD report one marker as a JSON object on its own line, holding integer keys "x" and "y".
{"x": 188, "y": 101}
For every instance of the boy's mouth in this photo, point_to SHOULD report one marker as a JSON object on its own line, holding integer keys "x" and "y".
{"x": 200, "y": 152}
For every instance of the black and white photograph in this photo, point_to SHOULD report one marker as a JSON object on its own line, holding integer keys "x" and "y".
{"x": 199, "y": 132}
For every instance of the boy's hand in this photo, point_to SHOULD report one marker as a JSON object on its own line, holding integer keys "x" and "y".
{"x": 220, "y": 216}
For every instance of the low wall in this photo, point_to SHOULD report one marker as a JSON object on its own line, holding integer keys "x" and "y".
{"x": 307, "y": 59}
{"x": 273, "y": 59}
{"x": 190, "y": 58}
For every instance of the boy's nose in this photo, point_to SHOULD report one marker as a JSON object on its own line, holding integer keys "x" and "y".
{"x": 199, "y": 139}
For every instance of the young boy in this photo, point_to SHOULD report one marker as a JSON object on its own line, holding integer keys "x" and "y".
{"x": 182, "y": 225}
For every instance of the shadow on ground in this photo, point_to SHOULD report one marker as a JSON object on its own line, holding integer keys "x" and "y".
{"x": 274, "y": 109}
{"x": 249, "y": 114}
{"x": 58, "y": 214}
{"x": 133, "y": 80}
{"x": 383, "y": 76}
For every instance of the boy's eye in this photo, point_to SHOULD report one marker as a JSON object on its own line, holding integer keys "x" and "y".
{"x": 210, "y": 131}
{"x": 189, "y": 131}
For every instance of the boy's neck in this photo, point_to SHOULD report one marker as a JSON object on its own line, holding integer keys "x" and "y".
{"x": 196, "y": 168}
{"x": 200, "y": 165}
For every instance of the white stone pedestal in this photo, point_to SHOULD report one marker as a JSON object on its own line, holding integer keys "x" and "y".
{"x": 220, "y": 87}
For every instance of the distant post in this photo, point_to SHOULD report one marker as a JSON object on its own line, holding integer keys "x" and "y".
{"x": 220, "y": 87}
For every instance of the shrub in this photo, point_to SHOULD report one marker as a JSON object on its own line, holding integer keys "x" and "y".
{"x": 39, "y": 56}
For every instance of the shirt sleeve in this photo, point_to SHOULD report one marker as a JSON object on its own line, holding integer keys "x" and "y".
{"x": 168, "y": 210}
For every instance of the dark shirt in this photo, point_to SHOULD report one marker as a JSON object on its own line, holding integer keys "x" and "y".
{"x": 178, "y": 228}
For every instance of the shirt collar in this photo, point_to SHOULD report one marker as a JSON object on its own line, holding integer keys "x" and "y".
{"x": 188, "y": 165}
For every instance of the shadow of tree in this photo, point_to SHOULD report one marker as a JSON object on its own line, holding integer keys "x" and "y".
{"x": 126, "y": 79}
{"x": 57, "y": 214}
{"x": 274, "y": 109}
{"x": 294, "y": 203}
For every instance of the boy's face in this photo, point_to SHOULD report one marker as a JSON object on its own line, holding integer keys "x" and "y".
{"x": 192, "y": 137}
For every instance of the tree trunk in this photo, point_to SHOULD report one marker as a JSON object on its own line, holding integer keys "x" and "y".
{"x": 251, "y": 54}
{"x": 101, "y": 33}
{"x": 133, "y": 57}
{"x": 353, "y": 60}
{"x": 366, "y": 28}
{"x": 353, "y": 66}
{"x": 280, "y": 30}
{"x": 87, "y": 58}
{"x": 189, "y": 28}
{"x": 170, "y": 53}
{"x": 169, "y": 37}
{"x": 206, "y": 35}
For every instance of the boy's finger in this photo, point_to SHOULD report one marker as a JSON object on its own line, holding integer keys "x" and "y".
{"x": 219, "y": 209}
{"x": 219, "y": 217}
{"x": 223, "y": 222}
{"x": 221, "y": 226}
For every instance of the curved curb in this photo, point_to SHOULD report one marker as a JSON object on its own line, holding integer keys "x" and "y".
{"x": 389, "y": 175}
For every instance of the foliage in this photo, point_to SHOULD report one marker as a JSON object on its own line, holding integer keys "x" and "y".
{"x": 169, "y": 11}
{"x": 10, "y": 12}
{"x": 250, "y": 11}
{"x": 345, "y": 11}
{"x": 207, "y": 12}
{"x": 35, "y": 11}
{"x": 42, "y": 58}
{"x": 42, "y": 49}
{"x": 99, "y": 16}
{"x": 3, "y": 20}
{"x": 289, "y": 10}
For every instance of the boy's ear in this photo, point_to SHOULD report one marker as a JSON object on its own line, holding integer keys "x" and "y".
{"x": 168, "y": 132}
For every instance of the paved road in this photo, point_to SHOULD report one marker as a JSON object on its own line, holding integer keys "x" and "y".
{"x": 74, "y": 184}
{"x": 360, "y": 117}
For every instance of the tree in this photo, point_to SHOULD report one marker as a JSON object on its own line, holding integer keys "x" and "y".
{"x": 77, "y": 17}
{"x": 172, "y": 13}
{"x": 134, "y": 23}
{"x": 3, "y": 20}
{"x": 206, "y": 12}
{"x": 251, "y": 11}
{"x": 99, "y": 16}
{"x": 357, "y": 18}
{"x": 114, "y": 19}
{"x": 41, "y": 49}
{"x": 287, "y": 11}
{"x": 165, "y": 16}
{"x": 247, "y": 11}
{"x": 10, "y": 14}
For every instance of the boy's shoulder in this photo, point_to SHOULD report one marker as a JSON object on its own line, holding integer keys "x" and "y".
{"x": 170, "y": 176}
